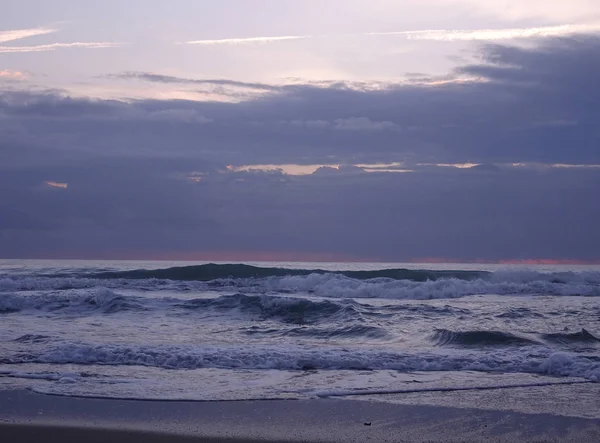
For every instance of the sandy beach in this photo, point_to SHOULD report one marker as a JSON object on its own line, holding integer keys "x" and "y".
{"x": 32, "y": 417}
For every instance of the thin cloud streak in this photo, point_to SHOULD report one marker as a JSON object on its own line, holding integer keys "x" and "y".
{"x": 169, "y": 79}
{"x": 58, "y": 185}
{"x": 18, "y": 34}
{"x": 447, "y": 35}
{"x": 249, "y": 40}
{"x": 492, "y": 34}
{"x": 54, "y": 46}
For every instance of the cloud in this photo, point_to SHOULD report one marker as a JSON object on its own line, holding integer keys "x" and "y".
{"x": 168, "y": 79}
{"x": 309, "y": 124}
{"x": 248, "y": 40}
{"x": 179, "y": 115}
{"x": 519, "y": 11}
{"x": 56, "y": 185}
{"x": 507, "y": 213}
{"x": 151, "y": 176}
{"x": 556, "y": 123}
{"x": 12, "y": 75}
{"x": 8, "y": 36}
{"x": 493, "y": 120}
{"x": 362, "y": 124}
{"x": 284, "y": 169}
{"x": 432, "y": 34}
{"x": 493, "y": 34}
{"x": 55, "y": 46}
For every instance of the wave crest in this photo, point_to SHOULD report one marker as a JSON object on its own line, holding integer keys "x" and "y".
{"x": 582, "y": 336}
{"x": 99, "y": 300}
{"x": 326, "y": 333}
{"x": 399, "y": 284}
{"x": 480, "y": 338}
{"x": 285, "y": 309}
{"x": 212, "y": 271}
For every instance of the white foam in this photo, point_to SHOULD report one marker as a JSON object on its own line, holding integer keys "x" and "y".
{"x": 531, "y": 275}
{"x": 361, "y": 392}
{"x": 299, "y": 357}
{"x": 331, "y": 285}
{"x": 226, "y": 384}
{"x": 509, "y": 282}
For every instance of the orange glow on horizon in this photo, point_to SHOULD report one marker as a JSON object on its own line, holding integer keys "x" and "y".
{"x": 318, "y": 257}
{"x": 530, "y": 261}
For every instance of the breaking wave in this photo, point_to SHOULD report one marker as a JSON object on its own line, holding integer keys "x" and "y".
{"x": 291, "y": 310}
{"x": 211, "y": 272}
{"x": 391, "y": 284}
{"x": 292, "y": 358}
{"x": 480, "y": 338}
{"x": 582, "y": 336}
{"x": 285, "y": 309}
{"x": 100, "y": 300}
{"x": 484, "y": 338}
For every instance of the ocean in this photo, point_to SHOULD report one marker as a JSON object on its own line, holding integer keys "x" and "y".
{"x": 201, "y": 331}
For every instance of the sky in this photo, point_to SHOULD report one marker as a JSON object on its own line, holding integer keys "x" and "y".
{"x": 343, "y": 130}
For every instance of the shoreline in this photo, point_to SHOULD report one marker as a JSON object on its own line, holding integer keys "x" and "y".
{"x": 25, "y": 416}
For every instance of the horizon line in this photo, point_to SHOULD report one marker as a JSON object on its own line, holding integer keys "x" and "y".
{"x": 304, "y": 258}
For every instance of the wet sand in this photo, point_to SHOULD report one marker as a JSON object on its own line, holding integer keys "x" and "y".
{"x": 29, "y": 417}
{"x": 36, "y": 433}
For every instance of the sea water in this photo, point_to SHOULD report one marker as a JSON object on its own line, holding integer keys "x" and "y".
{"x": 200, "y": 331}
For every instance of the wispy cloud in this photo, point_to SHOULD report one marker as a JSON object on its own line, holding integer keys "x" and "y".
{"x": 168, "y": 79}
{"x": 249, "y": 40}
{"x": 363, "y": 124}
{"x": 430, "y": 34}
{"x": 54, "y": 46}
{"x": 492, "y": 34}
{"x": 17, "y": 34}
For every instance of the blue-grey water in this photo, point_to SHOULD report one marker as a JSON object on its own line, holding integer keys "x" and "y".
{"x": 291, "y": 330}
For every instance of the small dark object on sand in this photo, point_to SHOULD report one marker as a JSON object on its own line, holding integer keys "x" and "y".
{"x": 367, "y": 423}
